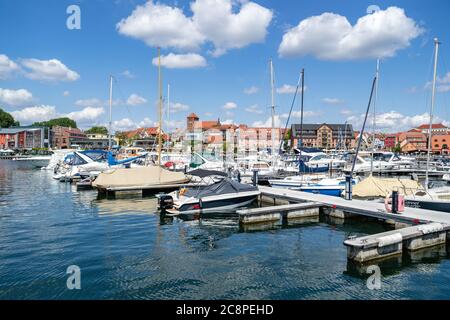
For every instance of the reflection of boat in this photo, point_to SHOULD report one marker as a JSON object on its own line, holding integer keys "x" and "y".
{"x": 224, "y": 195}
{"x": 35, "y": 161}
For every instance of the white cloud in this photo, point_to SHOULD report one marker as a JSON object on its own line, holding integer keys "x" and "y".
{"x": 442, "y": 83}
{"x": 209, "y": 114}
{"x": 88, "y": 114}
{"x": 34, "y": 114}
{"x": 181, "y": 61}
{"x": 177, "y": 107}
{"x": 216, "y": 21}
{"x": 393, "y": 121}
{"x": 127, "y": 74}
{"x": 92, "y": 102}
{"x": 159, "y": 25}
{"x": 127, "y": 124}
{"x": 48, "y": 70}
{"x": 330, "y": 36}
{"x": 66, "y": 93}
{"x": 15, "y": 97}
{"x": 251, "y": 90}
{"x": 288, "y": 89}
{"x": 332, "y": 101}
{"x": 346, "y": 112}
{"x": 268, "y": 122}
{"x": 134, "y": 100}
{"x": 7, "y": 67}
{"x": 254, "y": 109}
{"x": 229, "y": 106}
{"x": 280, "y": 120}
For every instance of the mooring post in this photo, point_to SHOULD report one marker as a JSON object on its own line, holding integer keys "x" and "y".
{"x": 255, "y": 178}
{"x": 348, "y": 187}
{"x": 394, "y": 201}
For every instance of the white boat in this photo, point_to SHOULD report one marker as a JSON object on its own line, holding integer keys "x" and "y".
{"x": 35, "y": 161}
{"x": 363, "y": 163}
{"x": 223, "y": 196}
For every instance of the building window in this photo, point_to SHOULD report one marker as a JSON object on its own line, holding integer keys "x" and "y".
{"x": 436, "y": 146}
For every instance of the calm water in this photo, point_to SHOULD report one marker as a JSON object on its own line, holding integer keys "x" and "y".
{"x": 127, "y": 251}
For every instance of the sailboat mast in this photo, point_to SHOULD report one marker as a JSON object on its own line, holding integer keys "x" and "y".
{"x": 110, "y": 111}
{"x": 160, "y": 108}
{"x": 374, "y": 115}
{"x": 436, "y": 52}
{"x": 272, "y": 85}
{"x": 168, "y": 107}
{"x": 301, "y": 110}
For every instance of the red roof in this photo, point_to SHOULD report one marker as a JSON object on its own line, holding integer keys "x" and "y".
{"x": 434, "y": 126}
{"x": 193, "y": 115}
{"x": 141, "y": 132}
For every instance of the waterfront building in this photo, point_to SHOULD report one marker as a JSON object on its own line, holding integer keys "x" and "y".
{"x": 24, "y": 138}
{"x": 412, "y": 141}
{"x": 146, "y": 138}
{"x": 66, "y": 137}
{"x": 326, "y": 136}
{"x": 436, "y": 128}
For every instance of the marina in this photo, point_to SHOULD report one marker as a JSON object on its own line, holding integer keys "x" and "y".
{"x": 224, "y": 150}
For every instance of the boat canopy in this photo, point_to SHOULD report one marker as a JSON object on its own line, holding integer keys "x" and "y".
{"x": 139, "y": 177}
{"x": 202, "y": 173}
{"x": 224, "y": 186}
{"x": 381, "y": 187}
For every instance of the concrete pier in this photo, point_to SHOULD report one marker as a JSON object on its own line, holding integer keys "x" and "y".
{"x": 390, "y": 243}
{"x": 275, "y": 213}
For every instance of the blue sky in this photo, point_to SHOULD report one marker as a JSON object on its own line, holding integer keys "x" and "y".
{"x": 47, "y": 70}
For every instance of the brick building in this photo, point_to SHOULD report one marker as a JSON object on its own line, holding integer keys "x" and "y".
{"x": 326, "y": 136}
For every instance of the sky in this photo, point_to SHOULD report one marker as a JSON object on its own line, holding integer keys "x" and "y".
{"x": 215, "y": 56}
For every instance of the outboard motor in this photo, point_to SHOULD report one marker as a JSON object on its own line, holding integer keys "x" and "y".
{"x": 165, "y": 202}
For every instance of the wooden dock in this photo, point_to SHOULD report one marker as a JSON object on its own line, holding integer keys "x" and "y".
{"x": 359, "y": 207}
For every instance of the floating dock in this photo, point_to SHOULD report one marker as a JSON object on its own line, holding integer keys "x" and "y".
{"x": 276, "y": 213}
{"x": 430, "y": 228}
{"x": 358, "y": 207}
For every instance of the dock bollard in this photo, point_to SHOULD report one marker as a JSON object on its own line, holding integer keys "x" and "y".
{"x": 239, "y": 176}
{"x": 394, "y": 201}
{"x": 348, "y": 187}
{"x": 255, "y": 178}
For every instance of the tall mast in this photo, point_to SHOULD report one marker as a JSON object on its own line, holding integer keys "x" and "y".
{"x": 272, "y": 85}
{"x": 436, "y": 51}
{"x": 168, "y": 107}
{"x": 301, "y": 110}
{"x": 374, "y": 115}
{"x": 110, "y": 111}
{"x": 160, "y": 108}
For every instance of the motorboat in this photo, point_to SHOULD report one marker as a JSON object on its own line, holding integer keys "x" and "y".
{"x": 222, "y": 196}
{"x": 296, "y": 181}
{"x": 38, "y": 161}
{"x": 437, "y": 199}
{"x": 365, "y": 164}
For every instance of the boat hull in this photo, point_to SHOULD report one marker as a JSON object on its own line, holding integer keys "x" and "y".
{"x": 429, "y": 205}
{"x": 222, "y": 205}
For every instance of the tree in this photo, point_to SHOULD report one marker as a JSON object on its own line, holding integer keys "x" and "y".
{"x": 63, "y": 122}
{"x": 97, "y": 130}
{"x": 7, "y": 120}
{"x": 397, "y": 148}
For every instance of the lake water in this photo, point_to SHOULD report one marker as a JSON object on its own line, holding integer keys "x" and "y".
{"x": 125, "y": 250}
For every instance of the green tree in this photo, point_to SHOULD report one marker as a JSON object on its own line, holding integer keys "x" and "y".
{"x": 97, "y": 130}
{"x": 7, "y": 120}
{"x": 397, "y": 148}
{"x": 63, "y": 122}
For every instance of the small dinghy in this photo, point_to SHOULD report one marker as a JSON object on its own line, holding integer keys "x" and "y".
{"x": 222, "y": 196}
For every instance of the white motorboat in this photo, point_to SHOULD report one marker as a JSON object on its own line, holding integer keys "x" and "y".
{"x": 222, "y": 196}
{"x": 35, "y": 161}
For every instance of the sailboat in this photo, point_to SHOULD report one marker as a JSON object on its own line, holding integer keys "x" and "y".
{"x": 151, "y": 178}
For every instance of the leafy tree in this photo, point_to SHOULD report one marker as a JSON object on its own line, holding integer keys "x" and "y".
{"x": 397, "y": 148}
{"x": 97, "y": 130}
{"x": 63, "y": 122}
{"x": 7, "y": 120}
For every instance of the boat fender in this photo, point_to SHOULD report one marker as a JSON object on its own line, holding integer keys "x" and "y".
{"x": 390, "y": 239}
{"x": 430, "y": 228}
{"x": 388, "y": 203}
